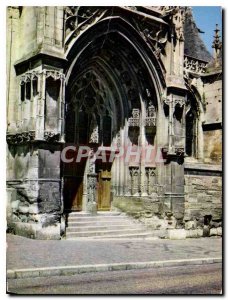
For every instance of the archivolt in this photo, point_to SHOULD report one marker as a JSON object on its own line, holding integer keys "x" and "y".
{"x": 101, "y": 34}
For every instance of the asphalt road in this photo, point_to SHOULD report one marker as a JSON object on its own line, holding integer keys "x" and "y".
{"x": 198, "y": 279}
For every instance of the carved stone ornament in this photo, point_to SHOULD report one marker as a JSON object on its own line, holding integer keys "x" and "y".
{"x": 135, "y": 176}
{"x": 150, "y": 179}
{"x": 51, "y": 136}
{"x": 78, "y": 18}
{"x": 175, "y": 101}
{"x": 91, "y": 167}
{"x": 94, "y": 137}
{"x": 20, "y": 138}
{"x": 29, "y": 76}
{"x": 54, "y": 74}
{"x": 155, "y": 37}
{"x": 134, "y": 120}
{"x": 178, "y": 21}
{"x": 180, "y": 101}
{"x": 150, "y": 172}
{"x": 167, "y": 100}
{"x": 32, "y": 75}
{"x": 150, "y": 120}
{"x": 194, "y": 65}
{"x": 91, "y": 187}
{"x": 91, "y": 93}
{"x": 179, "y": 151}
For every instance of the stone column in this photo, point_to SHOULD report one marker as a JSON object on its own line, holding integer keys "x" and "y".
{"x": 13, "y": 50}
{"x": 200, "y": 139}
{"x": 143, "y": 189}
{"x": 121, "y": 165}
{"x": 41, "y": 106}
{"x": 174, "y": 194}
{"x": 19, "y": 109}
{"x": 62, "y": 109}
{"x": 91, "y": 206}
{"x": 125, "y": 165}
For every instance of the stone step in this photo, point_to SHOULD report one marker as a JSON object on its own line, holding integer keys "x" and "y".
{"x": 115, "y": 236}
{"x": 96, "y": 218}
{"x": 100, "y": 214}
{"x": 104, "y": 233}
{"x": 100, "y": 223}
{"x": 100, "y": 228}
{"x": 106, "y": 225}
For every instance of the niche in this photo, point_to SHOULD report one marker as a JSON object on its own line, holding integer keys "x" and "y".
{"x": 51, "y": 105}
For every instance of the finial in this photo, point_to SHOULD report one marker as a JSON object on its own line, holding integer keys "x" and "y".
{"x": 217, "y": 43}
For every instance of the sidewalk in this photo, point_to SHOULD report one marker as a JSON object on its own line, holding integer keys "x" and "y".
{"x": 24, "y": 253}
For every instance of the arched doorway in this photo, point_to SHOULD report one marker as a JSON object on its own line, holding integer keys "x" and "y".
{"x": 110, "y": 100}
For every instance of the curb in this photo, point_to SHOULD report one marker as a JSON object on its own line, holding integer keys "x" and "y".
{"x": 72, "y": 270}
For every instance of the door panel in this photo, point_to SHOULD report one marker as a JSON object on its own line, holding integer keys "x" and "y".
{"x": 73, "y": 192}
{"x": 73, "y": 185}
{"x": 104, "y": 190}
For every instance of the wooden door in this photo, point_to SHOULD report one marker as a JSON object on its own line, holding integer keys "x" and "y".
{"x": 73, "y": 185}
{"x": 73, "y": 192}
{"x": 104, "y": 190}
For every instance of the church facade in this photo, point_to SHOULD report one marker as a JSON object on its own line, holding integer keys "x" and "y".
{"x": 107, "y": 105}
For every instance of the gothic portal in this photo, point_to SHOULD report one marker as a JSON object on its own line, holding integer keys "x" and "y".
{"x": 111, "y": 105}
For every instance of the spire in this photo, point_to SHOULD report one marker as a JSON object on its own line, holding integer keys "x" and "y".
{"x": 194, "y": 45}
{"x": 217, "y": 44}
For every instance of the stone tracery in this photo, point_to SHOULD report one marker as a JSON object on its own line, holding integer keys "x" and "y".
{"x": 121, "y": 65}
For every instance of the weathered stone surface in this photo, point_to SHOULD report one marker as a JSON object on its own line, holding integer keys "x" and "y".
{"x": 26, "y": 229}
{"x": 49, "y": 232}
{"x": 190, "y": 225}
{"x": 49, "y": 219}
{"x": 213, "y": 231}
{"x": 49, "y": 197}
{"x": 177, "y": 234}
{"x": 198, "y": 203}
{"x": 194, "y": 233}
{"x": 33, "y": 209}
{"x": 23, "y": 209}
{"x": 15, "y": 205}
{"x": 219, "y": 231}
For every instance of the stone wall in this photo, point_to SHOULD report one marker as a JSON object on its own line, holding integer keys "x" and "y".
{"x": 34, "y": 204}
{"x": 33, "y": 209}
{"x": 212, "y": 146}
{"x": 203, "y": 206}
{"x": 213, "y": 98}
{"x": 203, "y": 203}
{"x": 151, "y": 211}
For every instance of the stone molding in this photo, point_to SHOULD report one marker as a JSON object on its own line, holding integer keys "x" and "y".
{"x": 28, "y": 137}
{"x": 20, "y": 138}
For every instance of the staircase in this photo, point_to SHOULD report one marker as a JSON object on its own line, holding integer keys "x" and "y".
{"x": 104, "y": 225}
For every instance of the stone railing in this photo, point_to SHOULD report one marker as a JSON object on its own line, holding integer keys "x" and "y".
{"x": 194, "y": 65}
